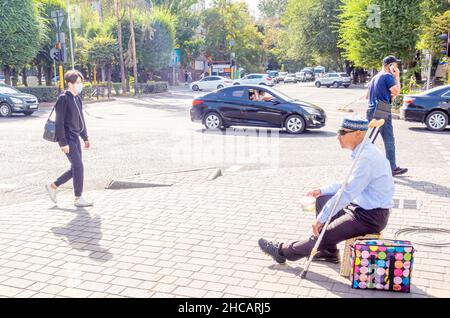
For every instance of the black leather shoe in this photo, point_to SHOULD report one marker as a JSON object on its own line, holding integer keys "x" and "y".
{"x": 272, "y": 249}
{"x": 327, "y": 256}
{"x": 399, "y": 171}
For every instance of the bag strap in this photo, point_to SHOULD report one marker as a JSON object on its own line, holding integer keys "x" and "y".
{"x": 391, "y": 272}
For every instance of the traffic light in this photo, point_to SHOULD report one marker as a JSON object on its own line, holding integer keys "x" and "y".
{"x": 56, "y": 55}
{"x": 445, "y": 43}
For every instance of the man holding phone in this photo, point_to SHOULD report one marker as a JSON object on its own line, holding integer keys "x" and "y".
{"x": 383, "y": 88}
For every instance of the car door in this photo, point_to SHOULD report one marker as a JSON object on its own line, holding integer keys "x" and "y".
{"x": 264, "y": 113}
{"x": 445, "y": 101}
{"x": 231, "y": 103}
{"x": 213, "y": 82}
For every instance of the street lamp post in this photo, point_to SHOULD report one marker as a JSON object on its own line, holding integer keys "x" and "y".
{"x": 70, "y": 34}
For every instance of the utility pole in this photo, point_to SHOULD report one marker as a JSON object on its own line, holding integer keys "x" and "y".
{"x": 133, "y": 50}
{"x": 69, "y": 24}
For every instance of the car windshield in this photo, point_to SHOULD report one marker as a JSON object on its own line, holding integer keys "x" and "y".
{"x": 274, "y": 91}
{"x": 343, "y": 74}
{"x": 8, "y": 90}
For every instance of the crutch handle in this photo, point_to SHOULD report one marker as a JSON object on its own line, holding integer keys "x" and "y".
{"x": 376, "y": 123}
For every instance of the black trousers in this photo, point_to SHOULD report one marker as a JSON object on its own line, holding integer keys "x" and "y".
{"x": 350, "y": 222}
{"x": 76, "y": 171}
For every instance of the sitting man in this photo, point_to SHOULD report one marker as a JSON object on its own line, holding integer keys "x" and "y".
{"x": 363, "y": 207}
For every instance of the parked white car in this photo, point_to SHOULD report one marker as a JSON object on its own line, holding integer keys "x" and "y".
{"x": 211, "y": 83}
{"x": 290, "y": 78}
{"x": 334, "y": 79}
{"x": 255, "y": 79}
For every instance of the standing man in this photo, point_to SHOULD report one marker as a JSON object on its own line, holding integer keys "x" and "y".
{"x": 362, "y": 209}
{"x": 383, "y": 88}
{"x": 70, "y": 126}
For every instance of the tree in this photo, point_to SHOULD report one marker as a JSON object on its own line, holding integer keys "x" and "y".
{"x": 229, "y": 21}
{"x": 272, "y": 9}
{"x": 436, "y": 22}
{"x": 157, "y": 43}
{"x": 119, "y": 16}
{"x": 370, "y": 30}
{"x": 22, "y": 32}
{"x": 311, "y": 35}
{"x": 102, "y": 51}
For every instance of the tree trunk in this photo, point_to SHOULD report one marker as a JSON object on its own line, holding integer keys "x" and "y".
{"x": 24, "y": 77}
{"x": 119, "y": 38}
{"x": 108, "y": 74}
{"x": 103, "y": 73}
{"x": 7, "y": 72}
{"x": 133, "y": 50}
{"x": 39, "y": 73}
{"x": 48, "y": 75}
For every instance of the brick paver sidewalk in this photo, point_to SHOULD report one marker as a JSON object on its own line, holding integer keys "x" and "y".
{"x": 198, "y": 238}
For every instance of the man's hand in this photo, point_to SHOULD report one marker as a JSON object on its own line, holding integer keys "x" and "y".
{"x": 87, "y": 144}
{"x": 314, "y": 193}
{"x": 395, "y": 71}
{"x": 316, "y": 228}
{"x": 65, "y": 149}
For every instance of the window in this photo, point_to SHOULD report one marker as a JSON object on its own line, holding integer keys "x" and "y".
{"x": 235, "y": 93}
{"x": 446, "y": 94}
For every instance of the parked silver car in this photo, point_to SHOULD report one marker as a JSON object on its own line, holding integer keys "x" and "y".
{"x": 290, "y": 78}
{"x": 334, "y": 79}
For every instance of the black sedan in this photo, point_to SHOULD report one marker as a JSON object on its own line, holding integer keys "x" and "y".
{"x": 431, "y": 107}
{"x": 255, "y": 105}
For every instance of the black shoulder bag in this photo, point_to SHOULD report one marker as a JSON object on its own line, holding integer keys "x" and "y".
{"x": 383, "y": 110}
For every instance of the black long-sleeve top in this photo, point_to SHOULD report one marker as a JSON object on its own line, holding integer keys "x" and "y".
{"x": 69, "y": 118}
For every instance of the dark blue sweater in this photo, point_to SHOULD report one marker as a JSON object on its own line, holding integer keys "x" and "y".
{"x": 69, "y": 118}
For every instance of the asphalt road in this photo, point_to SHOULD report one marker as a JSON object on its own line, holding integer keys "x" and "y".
{"x": 154, "y": 134}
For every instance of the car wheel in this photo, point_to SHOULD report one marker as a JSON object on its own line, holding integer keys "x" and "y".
{"x": 220, "y": 87}
{"x": 5, "y": 110}
{"x": 346, "y": 86}
{"x": 318, "y": 84}
{"x": 235, "y": 84}
{"x": 336, "y": 85}
{"x": 295, "y": 124}
{"x": 213, "y": 121}
{"x": 28, "y": 113}
{"x": 262, "y": 83}
{"x": 195, "y": 88}
{"x": 436, "y": 120}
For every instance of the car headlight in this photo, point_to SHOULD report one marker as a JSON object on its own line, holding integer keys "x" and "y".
{"x": 311, "y": 111}
{"x": 16, "y": 100}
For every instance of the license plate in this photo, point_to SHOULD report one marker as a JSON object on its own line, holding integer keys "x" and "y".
{"x": 33, "y": 106}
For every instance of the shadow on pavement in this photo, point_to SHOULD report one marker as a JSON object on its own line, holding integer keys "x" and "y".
{"x": 424, "y": 186}
{"x": 344, "y": 290}
{"x": 265, "y": 132}
{"x": 83, "y": 233}
{"x": 426, "y": 131}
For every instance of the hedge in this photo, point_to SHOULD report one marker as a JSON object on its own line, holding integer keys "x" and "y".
{"x": 153, "y": 87}
{"x": 43, "y": 93}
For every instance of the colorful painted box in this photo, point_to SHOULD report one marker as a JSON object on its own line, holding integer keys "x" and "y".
{"x": 382, "y": 264}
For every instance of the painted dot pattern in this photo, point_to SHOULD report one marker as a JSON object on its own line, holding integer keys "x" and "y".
{"x": 372, "y": 269}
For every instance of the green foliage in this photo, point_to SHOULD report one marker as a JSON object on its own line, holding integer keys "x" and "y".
{"x": 21, "y": 32}
{"x": 272, "y": 8}
{"x": 311, "y": 36}
{"x": 102, "y": 50}
{"x": 155, "y": 49}
{"x": 43, "y": 93}
{"x": 227, "y": 21}
{"x": 153, "y": 87}
{"x": 435, "y": 26}
{"x": 366, "y": 43}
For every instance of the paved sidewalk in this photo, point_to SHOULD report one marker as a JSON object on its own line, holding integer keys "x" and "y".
{"x": 191, "y": 237}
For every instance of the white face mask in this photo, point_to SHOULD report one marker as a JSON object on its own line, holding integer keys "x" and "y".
{"x": 79, "y": 87}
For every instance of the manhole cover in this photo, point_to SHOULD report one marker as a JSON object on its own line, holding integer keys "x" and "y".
{"x": 425, "y": 236}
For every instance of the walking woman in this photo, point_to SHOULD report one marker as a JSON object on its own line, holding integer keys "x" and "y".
{"x": 70, "y": 126}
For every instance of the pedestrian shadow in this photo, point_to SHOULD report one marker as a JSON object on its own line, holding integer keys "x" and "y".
{"x": 83, "y": 233}
{"x": 424, "y": 186}
{"x": 265, "y": 132}
{"x": 344, "y": 290}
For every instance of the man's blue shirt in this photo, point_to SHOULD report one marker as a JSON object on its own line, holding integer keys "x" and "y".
{"x": 370, "y": 186}
{"x": 379, "y": 88}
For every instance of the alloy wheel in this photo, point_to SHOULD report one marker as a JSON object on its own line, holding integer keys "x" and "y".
{"x": 212, "y": 121}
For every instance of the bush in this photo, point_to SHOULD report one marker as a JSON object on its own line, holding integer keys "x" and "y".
{"x": 117, "y": 87}
{"x": 43, "y": 93}
{"x": 397, "y": 102}
{"x": 153, "y": 87}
